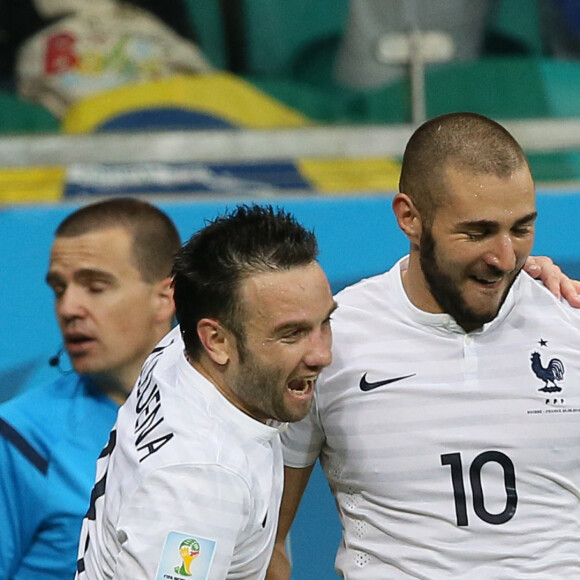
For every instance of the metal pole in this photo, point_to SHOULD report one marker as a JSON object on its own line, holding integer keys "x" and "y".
{"x": 417, "y": 77}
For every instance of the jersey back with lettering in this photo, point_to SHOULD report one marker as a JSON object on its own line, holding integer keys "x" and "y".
{"x": 188, "y": 485}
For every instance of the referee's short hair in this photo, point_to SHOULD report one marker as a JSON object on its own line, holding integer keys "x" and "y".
{"x": 155, "y": 238}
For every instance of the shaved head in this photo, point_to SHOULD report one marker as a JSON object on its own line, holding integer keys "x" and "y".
{"x": 465, "y": 141}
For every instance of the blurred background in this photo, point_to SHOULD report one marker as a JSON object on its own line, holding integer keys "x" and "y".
{"x": 201, "y": 104}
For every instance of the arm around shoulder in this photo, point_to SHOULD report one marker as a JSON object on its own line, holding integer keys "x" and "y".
{"x": 295, "y": 482}
{"x": 562, "y": 286}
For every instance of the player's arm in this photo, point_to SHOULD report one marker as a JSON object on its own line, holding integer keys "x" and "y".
{"x": 21, "y": 485}
{"x": 202, "y": 508}
{"x": 295, "y": 482}
{"x": 554, "y": 279}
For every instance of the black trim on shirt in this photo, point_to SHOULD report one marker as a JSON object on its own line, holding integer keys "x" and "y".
{"x": 11, "y": 435}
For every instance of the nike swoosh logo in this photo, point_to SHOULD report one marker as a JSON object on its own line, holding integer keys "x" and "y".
{"x": 366, "y": 386}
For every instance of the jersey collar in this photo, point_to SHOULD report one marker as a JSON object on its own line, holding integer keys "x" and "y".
{"x": 441, "y": 320}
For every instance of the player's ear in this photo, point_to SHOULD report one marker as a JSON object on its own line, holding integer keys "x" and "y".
{"x": 408, "y": 217}
{"x": 216, "y": 340}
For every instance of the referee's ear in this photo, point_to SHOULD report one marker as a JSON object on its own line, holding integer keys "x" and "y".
{"x": 408, "y": 217}
{"x": 164, "y": 304}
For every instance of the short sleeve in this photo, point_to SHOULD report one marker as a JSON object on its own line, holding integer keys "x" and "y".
{"x": 302, "y": 441}
{"x": 180, "y": 515}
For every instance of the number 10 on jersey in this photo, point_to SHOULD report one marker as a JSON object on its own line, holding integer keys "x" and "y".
{"x": 453, "y": 460}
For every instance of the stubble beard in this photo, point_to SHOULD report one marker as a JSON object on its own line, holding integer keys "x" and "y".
{"x": 445, "y": 291}
{"x": 257, "y": 387}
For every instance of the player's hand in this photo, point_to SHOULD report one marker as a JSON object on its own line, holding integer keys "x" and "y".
{"x": 554, "y": 279}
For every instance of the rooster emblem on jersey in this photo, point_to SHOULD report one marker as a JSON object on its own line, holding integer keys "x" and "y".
{"x": 550, "y": 374}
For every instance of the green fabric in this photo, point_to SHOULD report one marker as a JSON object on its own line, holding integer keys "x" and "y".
{"x": 555, "y": 167}
{"x": 18, "y": 116}
{"x": 207, "y": 20}
{"x": 503, "y": 88}
{"x": 520, "y": 19}
{"x": 278, "y": 30}
{"x": 506, "y": 88}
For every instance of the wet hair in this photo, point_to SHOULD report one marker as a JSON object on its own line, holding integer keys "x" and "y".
{"x": 155, "y": 237}
{"x": 210, "y": 267}
{"x": 465, "y": 141}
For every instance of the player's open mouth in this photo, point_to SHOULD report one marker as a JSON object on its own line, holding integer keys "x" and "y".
{"x": 301, "y": 386}
{"x": 489, "y": 283}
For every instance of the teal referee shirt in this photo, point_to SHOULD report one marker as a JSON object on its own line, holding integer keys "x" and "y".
{"x": 50, "y": 438}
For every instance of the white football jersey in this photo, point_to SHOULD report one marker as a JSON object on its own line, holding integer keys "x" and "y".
{"x": 451, "y": 455}
{"x": 188, "y": 487}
